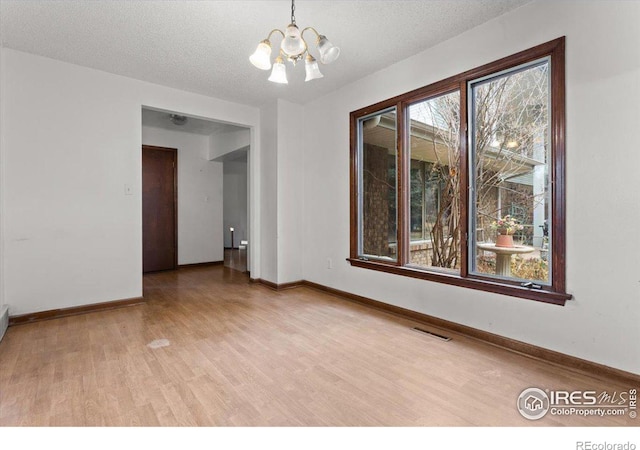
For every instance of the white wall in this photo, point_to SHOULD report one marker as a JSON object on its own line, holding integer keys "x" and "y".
{"x": 229, "y": 141}
{"x": 282, "y": 177}
{"x": 200, "y": 195}
{"x": 601, "y": 323}
{"x": 235, "y": 202}
{"x": 290, "y": 180}
{"x": 2, "y": 285}
{"x": 71, "y": 141}
{"x": 269, "y": 190}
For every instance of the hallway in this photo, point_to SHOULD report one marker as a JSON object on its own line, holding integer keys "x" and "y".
{"x": 236, "y": 259}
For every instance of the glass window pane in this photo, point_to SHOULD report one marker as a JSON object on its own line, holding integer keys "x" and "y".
{"x": 510, "y": 158}
{"x": 378, "y": 186}
{"x": 435, "y": 183}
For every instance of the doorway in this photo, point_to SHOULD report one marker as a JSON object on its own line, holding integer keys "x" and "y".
{"x": 236, "y": 209}
{"x": 159, "y": 209}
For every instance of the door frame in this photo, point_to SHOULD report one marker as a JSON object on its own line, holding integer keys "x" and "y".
{"x": 175, "y": 199}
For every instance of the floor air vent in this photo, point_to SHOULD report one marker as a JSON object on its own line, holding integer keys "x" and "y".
{"x": 435, "y": 335}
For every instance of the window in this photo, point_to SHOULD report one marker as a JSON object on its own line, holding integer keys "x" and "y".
{"x": 462, "y": 181}
{"x": 378, "y": 185}
{"x": 434, "y": 142}
{"x": 509, "y": 118}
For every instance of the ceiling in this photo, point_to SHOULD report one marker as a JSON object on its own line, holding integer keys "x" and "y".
{"x": 236, "y": 156}
{"x": 203, "y": 46}
{"x": 161, "y": 119}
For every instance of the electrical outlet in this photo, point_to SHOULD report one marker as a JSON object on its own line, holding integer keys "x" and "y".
{"x": 329, "y": 263}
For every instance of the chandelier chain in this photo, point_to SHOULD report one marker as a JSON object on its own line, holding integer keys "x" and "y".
{"x": 293, "y": 10}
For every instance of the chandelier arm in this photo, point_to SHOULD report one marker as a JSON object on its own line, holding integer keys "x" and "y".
{"x": 312, "y": 29}
{"x": 306, "y": 47}
{"x": 275, "y": 30}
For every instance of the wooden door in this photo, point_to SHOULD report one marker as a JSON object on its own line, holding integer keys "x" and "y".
{"x": 159, "y": 209}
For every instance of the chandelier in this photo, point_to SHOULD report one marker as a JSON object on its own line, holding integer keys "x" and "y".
{"x": 293, "y": 48}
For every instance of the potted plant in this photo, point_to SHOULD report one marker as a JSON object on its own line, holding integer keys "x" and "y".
{"x": 505, "y": 228}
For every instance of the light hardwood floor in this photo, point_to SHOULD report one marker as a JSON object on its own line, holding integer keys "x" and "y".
{"x": 242, "y": 354}
{"x": 235, "y": 258}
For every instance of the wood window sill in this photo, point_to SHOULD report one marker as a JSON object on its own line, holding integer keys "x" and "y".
{"x": 540, "y": 295}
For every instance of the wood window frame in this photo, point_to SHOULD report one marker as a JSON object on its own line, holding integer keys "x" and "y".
{"x": 554, "y": 293}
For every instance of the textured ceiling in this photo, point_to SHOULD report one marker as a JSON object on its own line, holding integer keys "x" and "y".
{"x": 203, "y": 46}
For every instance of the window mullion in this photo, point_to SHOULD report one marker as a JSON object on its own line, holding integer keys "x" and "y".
{"x": 423, "y": 202}
{"x": 467, "y": 236}
{"x": 404, "y": 188}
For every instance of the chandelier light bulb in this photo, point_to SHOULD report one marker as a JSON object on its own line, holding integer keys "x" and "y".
{"x": 311, "y": 68}
{"x": 293, "y": 44}
{"x": 261, "y": 58}
{"x": 328, "y": 52}
{"x": 279, "y": 72}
